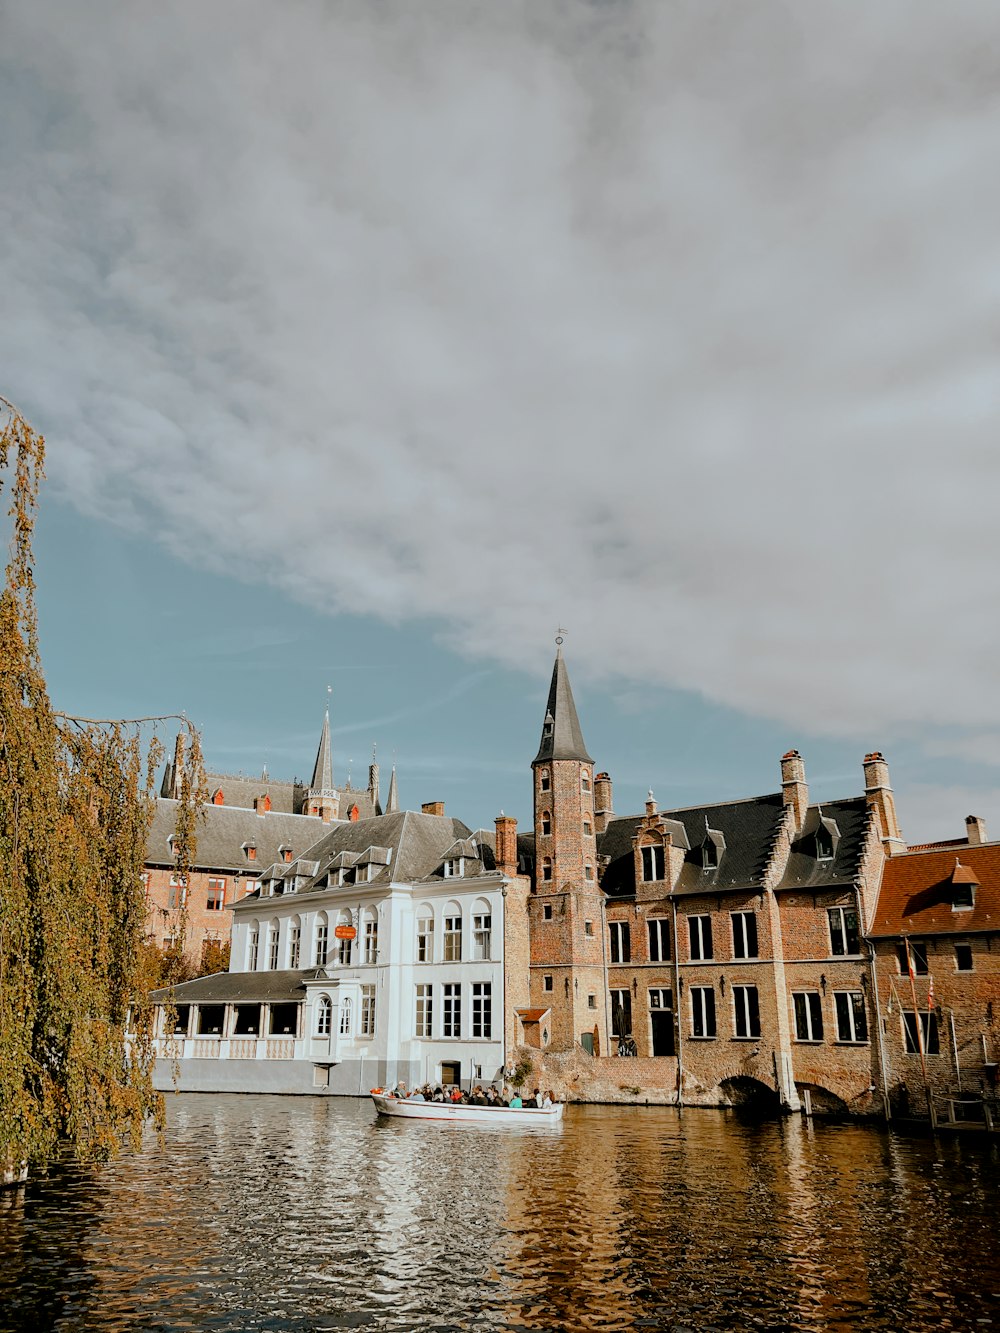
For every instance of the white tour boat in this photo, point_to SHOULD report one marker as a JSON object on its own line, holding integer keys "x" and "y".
{"x": 408, "y": 1109}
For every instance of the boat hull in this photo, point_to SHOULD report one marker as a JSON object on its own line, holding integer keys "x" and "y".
{"x": 458, "y": 1111}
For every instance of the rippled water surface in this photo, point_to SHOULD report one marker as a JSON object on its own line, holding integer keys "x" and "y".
{"x": 286, "y": 1213}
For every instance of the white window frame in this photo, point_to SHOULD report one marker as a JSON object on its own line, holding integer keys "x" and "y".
{"x": 741, "y": 935}
{"x": 482, "y": 1010}
{"x": 838, "y": 915}
{"x": 273, "y": 946}
{"x": 346, "y": 1016}
{"x": 700, "y": 942}
{"x": 294, "y": 946}
{"x": 371, "y": 940}
{"x": 703, "y": 1013}
{"x": 654, "y": 867}
{"x": 853, "y": 1000}
{"x": 423, "y": 1015}
{"x": 452, "y": 939}
{"x": 425, "y": 939}
{"x": 451, "y": 1010}
{"x": 367, "y": 1011}
{"x": 321, "y": 951}
{"x": 620, "y": 940}
{"x": 214, "y": 885}
{"x": 324, "y": 1016}
{"x": 482, "y": 937}
{"x": 807, "y": 1015}
{"x": 746, "y": 1013}
{"x": 658, "y": 938}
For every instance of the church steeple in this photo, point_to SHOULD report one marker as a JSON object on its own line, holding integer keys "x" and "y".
{"x": 562, "y": 737}
{"x": 321, "y": 796}
{"x": 392, "y": 800}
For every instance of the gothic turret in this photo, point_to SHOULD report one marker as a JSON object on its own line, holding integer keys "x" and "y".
{"x": 321, "y": 797}
{"x": 562, "y": 737}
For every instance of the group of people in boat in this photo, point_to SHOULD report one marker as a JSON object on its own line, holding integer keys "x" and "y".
{"x": 489, "y": 1096}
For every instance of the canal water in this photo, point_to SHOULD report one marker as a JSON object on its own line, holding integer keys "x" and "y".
{"x": 300, "y": 1214}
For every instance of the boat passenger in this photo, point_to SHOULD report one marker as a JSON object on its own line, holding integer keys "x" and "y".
{"x": 547, "y": 1100}
{"x": 417, "y": 1096}
{"x": 515, "y": 1101}
{"x": 534, "y": 1101}
{"x": 399, "y": 1090}
{"x": 477, "y": 1097}
{"x": 456, "y": 1093}
{"x": 438, "y": 1094}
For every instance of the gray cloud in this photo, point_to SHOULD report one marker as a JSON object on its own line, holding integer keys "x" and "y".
{"x": 676, "y": 322}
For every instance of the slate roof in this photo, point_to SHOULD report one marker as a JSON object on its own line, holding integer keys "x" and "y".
{"x": 322, "y": 778}
{"x": 236, "y": 987}
{"x": 221, "y": 831}
{"x": 915, "y": 897}
{"x": 562, "y": 737}
{"x": 418, "y": 844}
{"x": 748, "y": 828}
{"x": 846, "y": 820}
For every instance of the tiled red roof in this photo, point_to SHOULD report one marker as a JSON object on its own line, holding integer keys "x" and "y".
{"x": 532, "y": 1015}
{"x": 915, "y": 897}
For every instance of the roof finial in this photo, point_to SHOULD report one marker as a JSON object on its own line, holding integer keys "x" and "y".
{"x": 560, "y": 631}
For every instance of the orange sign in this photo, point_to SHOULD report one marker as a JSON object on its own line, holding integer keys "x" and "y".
{"x": 344, "y": 933}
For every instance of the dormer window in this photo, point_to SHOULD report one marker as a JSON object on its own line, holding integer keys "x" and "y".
{"x": 250, "y": 851}
{"x": 963, "y": 897}
{"x": 709, "y": 855}
{"x": 454, "y": 867}
{"x": 824, "y": 844}
{"x": 652, "y": 863}
{"x": 286, "y": 854}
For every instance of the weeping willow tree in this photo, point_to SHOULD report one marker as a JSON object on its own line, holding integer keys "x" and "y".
{"x": 76, "y": 799}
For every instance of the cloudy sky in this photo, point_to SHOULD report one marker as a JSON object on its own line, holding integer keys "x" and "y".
{"x": 374, "y": 340}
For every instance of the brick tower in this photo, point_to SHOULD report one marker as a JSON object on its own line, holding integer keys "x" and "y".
{"x": 568, "y": 973}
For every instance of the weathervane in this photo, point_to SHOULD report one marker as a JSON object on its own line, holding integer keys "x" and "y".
{"x": 560, "y": 631}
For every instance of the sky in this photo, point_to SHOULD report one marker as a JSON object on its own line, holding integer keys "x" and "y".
{"x": 372, "y": 342}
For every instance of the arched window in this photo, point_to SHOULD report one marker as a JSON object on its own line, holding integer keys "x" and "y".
{"x": 588, "y": 828}
{"x": 453, "y": 933}
{"x": 344, "y": 954}
{"x": 482, "y": 931}
{"x": 273, "y": 937}
{"x": 546, "y": 823}
{"x": 544, "y": 779}
{"x": 425, "y": 933}
{"x": 588, "y": 871}
{"x": 294, "y": 942}
{"x": 346, "y": 1016}
{"x": 323, "y": 1012}
{"x": 585, "y": 779}
{"x": 371, "y": 936}
{"x": 546, "y": 867}
{"x": 322, "y": 940}
{"x": 253, "y": 946}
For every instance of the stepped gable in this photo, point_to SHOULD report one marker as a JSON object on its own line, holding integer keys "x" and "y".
{"x": 742, "y": 832}
{"x": 222, "y": 830}
{"x": 917, "y": 892}
{"x": 844, "y": 822}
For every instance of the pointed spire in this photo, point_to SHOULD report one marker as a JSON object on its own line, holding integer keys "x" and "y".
{"x": 561, "y": 734}
{"x": 322, "y": 778}
{"x": 392, "y": 800}
{"x": 373, "y": 783}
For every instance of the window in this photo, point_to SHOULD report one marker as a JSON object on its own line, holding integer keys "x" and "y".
{"x": 588, "y": 929}
{"x": 621, "y": 947}
{"x": 744, "y": 934}
{"x": 482, "y": 937}
{"x": 453, "y": 939}
{"x": 425, "y": 1011}
{"x": 344, "y": 952}
{"x": 963, "y": 957}
{"x": 621, "y": 1012}
{"x": 700, "y": 938}
{"x": 585, "y": 779}
{"x": 591, "y": 1001}
{"x": 544, "y": 779}
{"x": 371, "y": 941}
{"x": 702, "y": 1011}
{"x": 852, "y": 1025}
{"x": 482, "y": 1010}
{"x": 216, "y": 895}
{"x": 253, "y": 948}
{"x": 451, "y": 1025}
{"x": 746, "y": 1011}
{"x": 286, "y": 855}
{"x": 824, "y": 844}
{"x": 425, "y": 939}
{"x": 659, "y": 939}
{"x": 294, "y": 943}
{"x": 322, "y": 940}
{"x": 346, "y": 1016}
{"x": 808, "y": 1015}
{"x": 367, "y": 1011}
{"x": 546, "y": 983}
{"x": 546, "y": 823}
{"x": 917, "y": 957}
{"x": 250, "y": 886}
{"x": 661, "y": 999}
{"x": 588, "y": 828}
{"x": 177, "y": 894}
{"x": 928, "y": 1031}
{"x": 454, "y": 867}
{"x": 588, "y": 871}
{"x": 251, "y": 851}
{"x": 323, "y": 1012}
{"x": 709, "y": 855}
{"x": 963, "y": 897}
{"x": 546, "y": 911}
{"x": 652, "y": 863}
{"x": 273, "y": 940}
{"x": 546, "y": 867}
{"x": 844, "y": 937}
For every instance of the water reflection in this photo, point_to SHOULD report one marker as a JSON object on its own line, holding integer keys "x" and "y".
{"x": 274, "y": 1213}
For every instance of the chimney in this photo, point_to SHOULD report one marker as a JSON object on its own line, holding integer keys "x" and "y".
{"x": 879, "y": 796}
{"x": 975, "y": 829}
{"x": 651, "y": 807}
{"x": 432, "y": 808}
{"x": 506, "y": 852}
{"x": 794, "y": 789}
{"x": 262, "y": 804}
{"x": 603, "y": 805}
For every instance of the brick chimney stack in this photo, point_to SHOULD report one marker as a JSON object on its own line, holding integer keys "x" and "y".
{"x": 794, "y": 789}
{"x": 604, "y": 810}
{"x": 975, "y": 829}
{"x": 506, "y": 852}
{"x": 879, "y": 796}
{"x": 432, "y": 808}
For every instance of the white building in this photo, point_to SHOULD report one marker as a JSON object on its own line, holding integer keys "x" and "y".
{"x": 385, "y": 952}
